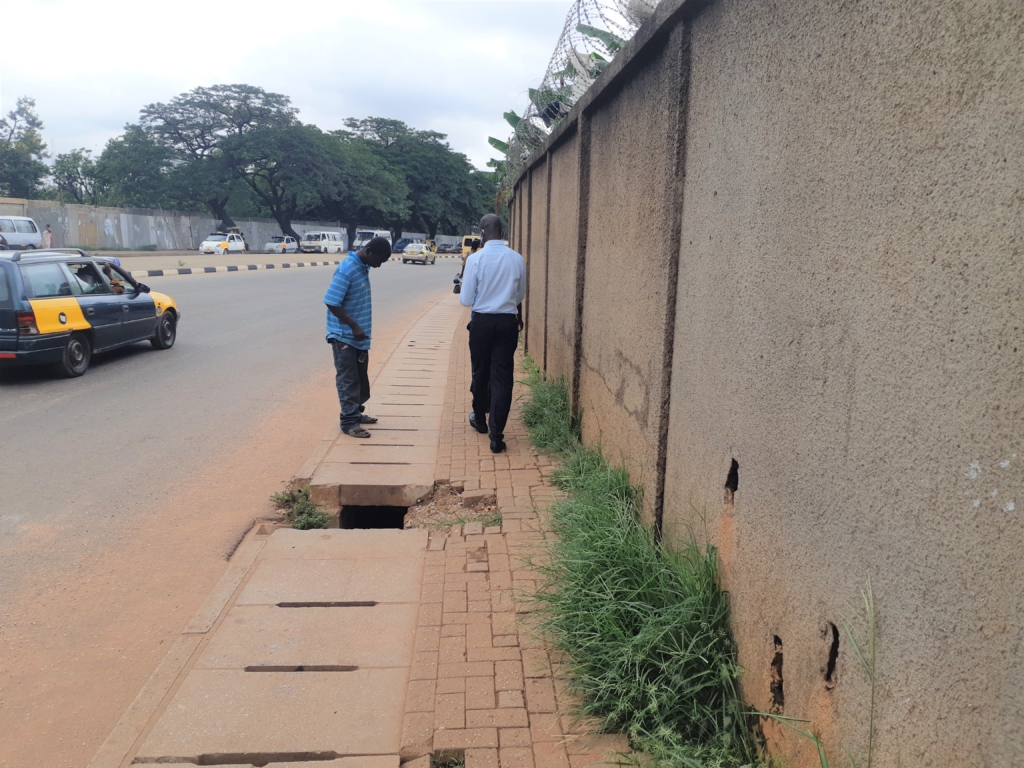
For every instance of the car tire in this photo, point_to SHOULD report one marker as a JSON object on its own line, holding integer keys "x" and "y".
{"x": 77, "y": 354}
{"x": 166, "y": 331}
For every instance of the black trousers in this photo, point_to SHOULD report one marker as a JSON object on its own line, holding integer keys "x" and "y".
{"x": 492, "y": 347}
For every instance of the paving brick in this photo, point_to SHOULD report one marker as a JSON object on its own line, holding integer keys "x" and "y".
{"x": 504, "y": 623}
{"x": 451, "y": 685}
{"x": 480, "y": 606}
{"x": 550, "y": 755}
{"x": 505, "y": 641}
{"x": 540, "y": 695}
{"x": 420, "y": 696}
{"x": 535, "y": 663}
{"x": 453, "y": 630}
{"x": 427, "y": 639}
{"x": 481, "y": 758}
{"x": 511, "y": 699}
{"x": 516, "y": 757}
{"x": 430, "y": 614}
{"x": 450, "y": 710}
{"x": 508, "y": 675}
{"x": 500, "y": 580}
{"x": 455, "y": 602}
{"x": 492, "y": 654}
{"x": 466, "y": 669}
{"x": 500, "y": 718}
{"x": 545, "y": 727}
{"x": 424, "y": 666}
{"x": 476, "y": 568}
{"x": 467, "y": 738}
{"x": 480, "y": 692}
{"x": 417, "y": 734}
{"x": 514, "y": 737}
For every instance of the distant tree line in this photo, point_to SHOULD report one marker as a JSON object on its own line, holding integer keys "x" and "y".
{"x": 237, "y": 150}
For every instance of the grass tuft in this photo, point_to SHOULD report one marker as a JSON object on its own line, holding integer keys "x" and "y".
{"x": 645, "y": 627}
{"x": 301, "y": 511}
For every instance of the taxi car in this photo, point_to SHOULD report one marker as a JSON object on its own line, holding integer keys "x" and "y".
{"x": 281, "y": 244}
{"x": 60, "y": 307}
{"x": 218, "y": 242}
{"x": 421, "y": 252}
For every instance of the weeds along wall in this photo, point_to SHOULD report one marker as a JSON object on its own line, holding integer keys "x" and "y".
{"x": 776, "y": 251}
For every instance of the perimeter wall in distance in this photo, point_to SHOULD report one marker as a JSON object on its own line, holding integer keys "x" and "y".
{"x": 777, "y": 250}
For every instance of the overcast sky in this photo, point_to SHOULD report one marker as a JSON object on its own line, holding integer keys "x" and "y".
{"x": 448, "y": 65}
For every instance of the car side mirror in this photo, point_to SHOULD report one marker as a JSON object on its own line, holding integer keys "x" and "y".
{"x": 142, "y": 287}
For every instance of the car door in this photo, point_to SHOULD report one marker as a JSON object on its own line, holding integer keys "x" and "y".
{"x": 138, "y": 308}
{"x": 99, "y": 305}
{"x": 8, "y": 316}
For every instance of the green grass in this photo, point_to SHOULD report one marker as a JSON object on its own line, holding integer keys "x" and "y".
{"x": 301, "y": 511}
{"x": 645, "y": 627}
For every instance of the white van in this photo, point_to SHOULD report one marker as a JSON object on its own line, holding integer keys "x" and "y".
{"x": 363, "y": 236}
{"x": 20, "y": 232}
{"x": 322, "y": 242}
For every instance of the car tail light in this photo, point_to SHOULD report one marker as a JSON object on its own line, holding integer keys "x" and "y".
{"x": 27, "y": 323}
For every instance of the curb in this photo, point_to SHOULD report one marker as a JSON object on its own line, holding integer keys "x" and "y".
{"x": 233, "y": 268}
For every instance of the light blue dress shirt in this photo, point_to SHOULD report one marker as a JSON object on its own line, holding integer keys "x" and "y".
{"x": 494, "y": 281}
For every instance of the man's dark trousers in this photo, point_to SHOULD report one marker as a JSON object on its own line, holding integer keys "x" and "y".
{"x": 352, "y": 379}
{"x": 492, "y": 347}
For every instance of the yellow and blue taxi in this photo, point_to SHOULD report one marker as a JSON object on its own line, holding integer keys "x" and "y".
{"x": 59, "y": 307}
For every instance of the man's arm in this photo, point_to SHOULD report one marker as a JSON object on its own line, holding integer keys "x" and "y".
{"x": 348, "y": 320}
{"x": 468, "y": 293}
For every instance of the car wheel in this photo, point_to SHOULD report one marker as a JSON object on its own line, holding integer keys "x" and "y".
{"x": 76, "y": 357}
{"x": 166, "y": 331}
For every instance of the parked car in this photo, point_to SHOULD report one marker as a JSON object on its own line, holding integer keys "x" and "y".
{"x": 20, "y": 232}
{"x": 281, "y": 244}
{"x": 400, "y": 244}
{"x": 363, "y": 236}
{"x": 444, "y": 248}
{"x": 219, "y": 242}
{"x": 322, "y": 242}
{"x": 61, "y": 307}
{"x": 420, "y": 252}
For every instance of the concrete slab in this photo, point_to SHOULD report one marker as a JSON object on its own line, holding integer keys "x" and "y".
{"x": 390, "y": 407}
{"x": 244, "y": 557}
{"x": 392, "y": 580}
{"x": 368, "y": 451}
{"x": 396, "y": 436}
{"x": 344, "y": 545}
{"x": 363, "y": 761}
{"x": 264, "y": 635}
{"x": 374, "y": 484}
{"x": 400, "y": 422}
{"x": 221, "y": 711}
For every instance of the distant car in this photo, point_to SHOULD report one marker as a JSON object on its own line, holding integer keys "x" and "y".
{"x": 322, "y": 242}
{"x": 20, "y": 232}
{"x": 281, "y": 244}
{"x": 218, "y": 242}
{"x": 61, "y": 306}
{"x": 420, "y": 252}
{"x": 400, "y": 244}
{"x": 444, "y": 248}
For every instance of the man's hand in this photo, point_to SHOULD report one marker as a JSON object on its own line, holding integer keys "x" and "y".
{"x": 358, "y": 332}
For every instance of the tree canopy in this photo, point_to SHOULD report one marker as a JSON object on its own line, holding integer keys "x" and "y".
{"x": 238, "y": 149}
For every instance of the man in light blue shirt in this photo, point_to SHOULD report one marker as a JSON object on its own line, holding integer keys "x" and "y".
{"x": 349, "y": 325}
{"x": 494, "y": 285}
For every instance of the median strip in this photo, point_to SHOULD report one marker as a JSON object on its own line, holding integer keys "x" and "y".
{"x": 232, "y": 268}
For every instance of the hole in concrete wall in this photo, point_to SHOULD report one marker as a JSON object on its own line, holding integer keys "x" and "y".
{"x": 776, "y": 686}
{"x": 831, "y": 633}
{"x": 732, "y": 481}
{"x": 302, "y": 668}
{"x": 372, "y": 517}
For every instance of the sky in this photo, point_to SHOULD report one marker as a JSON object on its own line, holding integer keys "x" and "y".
{"x": 452, "y": 66}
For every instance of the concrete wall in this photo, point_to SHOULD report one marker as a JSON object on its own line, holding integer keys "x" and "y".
{"x": 829, "y": 196}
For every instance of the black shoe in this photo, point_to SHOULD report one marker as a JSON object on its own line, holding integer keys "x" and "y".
{"x": 498, "y": 446}
{"x": 481, "y": 428}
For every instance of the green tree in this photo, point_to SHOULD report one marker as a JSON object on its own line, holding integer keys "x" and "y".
{"x": 194, "y": 126}
{"x": 442, "y": 193}
{"x": 134, "y": 171}
{"x": 22, "y": 151}
{"x": 74, "y": 176}
{"x": 287, "y": 169}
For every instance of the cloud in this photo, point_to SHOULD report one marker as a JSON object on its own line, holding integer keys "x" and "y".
{"x": 447, "y": 65}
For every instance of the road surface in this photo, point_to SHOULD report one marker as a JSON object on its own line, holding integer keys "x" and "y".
{"x": 123, "y": 492}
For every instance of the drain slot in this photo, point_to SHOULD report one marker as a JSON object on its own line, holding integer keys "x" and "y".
{"x": 383, "y": 463}
{"x": 329, "y": 604}
{"x": 387, "y": 445}
{"x": 302, "y": 668}
{"x": 257, "y": 759}
{"x": 358, "y": 516}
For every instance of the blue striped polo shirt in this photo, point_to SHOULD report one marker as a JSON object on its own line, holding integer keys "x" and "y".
{"x": 350, "y": 290}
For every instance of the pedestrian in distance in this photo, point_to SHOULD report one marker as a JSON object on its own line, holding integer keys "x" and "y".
{"x": 494, "y": 285}
{"x": 349, "y": 326}
{"x": 47, "y": 237}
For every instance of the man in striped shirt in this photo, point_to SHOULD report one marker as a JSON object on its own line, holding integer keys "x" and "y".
{"x": 349, "y": 324}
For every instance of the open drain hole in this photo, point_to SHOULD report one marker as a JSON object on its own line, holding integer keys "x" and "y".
{"x": 257, "y": 759}
{"x": 302, "y": 668}
{"x": 355, "y": 516}
{"x": 329, "y": 604}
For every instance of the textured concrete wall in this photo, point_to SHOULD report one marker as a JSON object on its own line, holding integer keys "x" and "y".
{"x": 562, "y": 240}
{"x": 536, "y": 253}
{"x": 848, "y": 300}
{"x": 89, "y": 226}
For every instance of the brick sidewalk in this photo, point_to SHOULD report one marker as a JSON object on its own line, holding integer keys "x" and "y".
{"x": 482, "y": 684}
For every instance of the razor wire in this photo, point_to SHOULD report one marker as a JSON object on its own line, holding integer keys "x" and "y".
{"x": 593, "y": 33}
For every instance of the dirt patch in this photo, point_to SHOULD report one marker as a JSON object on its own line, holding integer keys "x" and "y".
{"x": 447, "y": 508}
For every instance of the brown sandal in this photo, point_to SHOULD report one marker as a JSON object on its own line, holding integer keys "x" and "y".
{"x": 364, "y": 419}
{"x": 356, "y": 431}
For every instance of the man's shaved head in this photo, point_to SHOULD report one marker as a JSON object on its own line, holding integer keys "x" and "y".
{"x": 490, "y": 226}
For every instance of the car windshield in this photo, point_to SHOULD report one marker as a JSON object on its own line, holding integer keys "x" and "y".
{"x": 216, "y": 236}
{"x": 364, "y": 235}
{"x": 311, "y": 236}
{"x": 277, "y": 239}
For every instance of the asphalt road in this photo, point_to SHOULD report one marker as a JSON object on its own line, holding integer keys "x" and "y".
{"x": 90, "y": 466}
